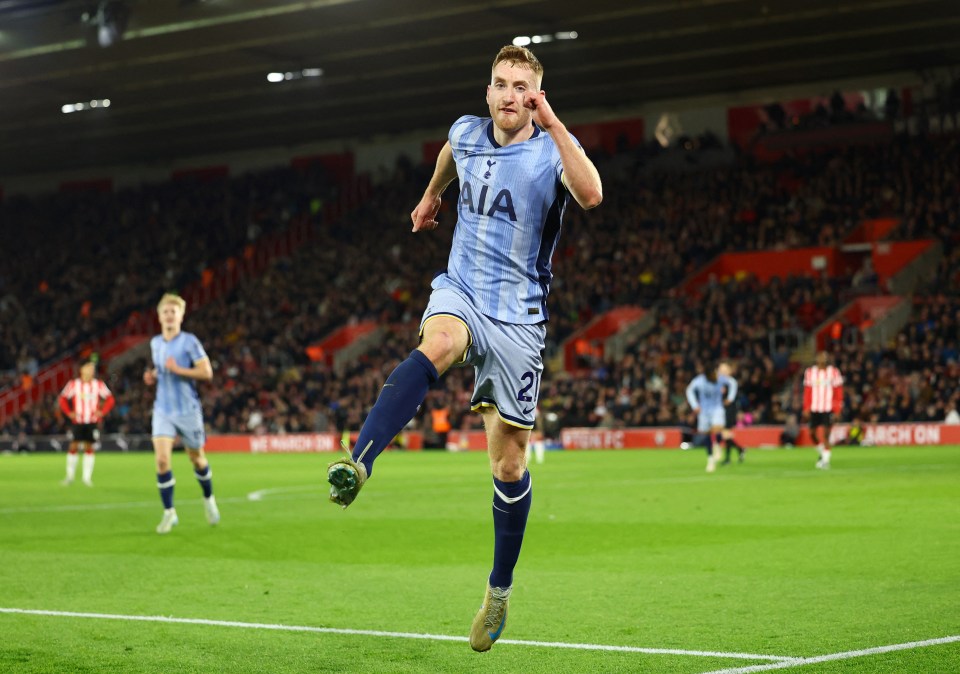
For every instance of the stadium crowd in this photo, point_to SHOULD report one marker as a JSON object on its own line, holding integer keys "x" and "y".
{"x": 655, "y": 228}
{"x": 87, "y": 259}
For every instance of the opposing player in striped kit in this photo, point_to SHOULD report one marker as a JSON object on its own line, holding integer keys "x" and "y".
{"x": 179, "y": 362}
{"x": 85, "y": 401}
{"x": 822, "y": 398}
{"x": 517, "y": 169}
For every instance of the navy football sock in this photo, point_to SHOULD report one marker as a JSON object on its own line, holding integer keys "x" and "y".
{"x": 205, "y": 478}
{"x": 709, "y": 445}
{"x": 511, "y": 505}
{"x": 165, "y": 484}
{"x": 404, "y": 390}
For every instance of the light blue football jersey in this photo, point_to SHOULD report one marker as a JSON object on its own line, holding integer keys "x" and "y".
{"x": 708, "y": 395}
{"x": 509, "y": 213}
{"x": 176, "y": 395}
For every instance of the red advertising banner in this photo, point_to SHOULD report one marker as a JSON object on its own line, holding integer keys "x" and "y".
{"x": 663, "y": 437}
{"x": 901, "y": 434}
{"x": 626, "y": 438}
{"x": 293, "y": 443}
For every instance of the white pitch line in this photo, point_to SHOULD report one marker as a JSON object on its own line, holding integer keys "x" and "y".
{"x": 104, "y": 506}
{"x": 77, "y": 507}
{"x": 845, "y": 655}
{"x": 398, "y": 635}
{"x": 260, "y": 493}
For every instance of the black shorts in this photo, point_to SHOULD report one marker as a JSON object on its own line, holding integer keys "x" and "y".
{"x": 85, "y": 433}
{"x": 820, "y": 419}
{"x": 731, "y": 412}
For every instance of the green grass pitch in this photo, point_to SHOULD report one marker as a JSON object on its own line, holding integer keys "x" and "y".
{"x": 636, "y": 549}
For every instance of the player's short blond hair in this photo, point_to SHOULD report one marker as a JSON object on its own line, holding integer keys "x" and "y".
{"x": 173, "y": 298}
{"x": 522, "y": 57}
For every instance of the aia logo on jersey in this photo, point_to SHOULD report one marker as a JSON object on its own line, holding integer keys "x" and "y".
{"x": 501, "y": 203}
{"x": 490, "y": 163}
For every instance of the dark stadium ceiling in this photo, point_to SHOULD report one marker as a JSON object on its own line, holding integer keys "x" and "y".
{"x": 189, "y": 77}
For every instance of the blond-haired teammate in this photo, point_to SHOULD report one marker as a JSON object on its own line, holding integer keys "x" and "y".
{"x": 179, "y": 362}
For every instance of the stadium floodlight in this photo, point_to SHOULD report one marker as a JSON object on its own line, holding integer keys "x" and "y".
{"x": 79, "y": 107}
{"x": 524, "y": 40}
{"x": 294, "y": 75}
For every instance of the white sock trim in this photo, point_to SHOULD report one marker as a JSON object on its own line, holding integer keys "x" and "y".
{"x": 169, "y": 483}
{"x": 510, "y": 501}
{"x": 204, "y": 478}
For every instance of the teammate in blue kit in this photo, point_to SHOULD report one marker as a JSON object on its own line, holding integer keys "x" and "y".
{"x": 488, "y": 309}
{"x": 179, "y": 361}
{"x": 705, "y": 394}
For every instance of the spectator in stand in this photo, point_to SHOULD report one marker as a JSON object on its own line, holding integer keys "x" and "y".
{"x": 953, "y": 416}
{"x": 791, "y": 431}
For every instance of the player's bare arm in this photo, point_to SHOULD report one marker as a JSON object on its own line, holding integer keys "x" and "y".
{"x": 424, "y": 216}
{"x": 201, "y": 369}
{"x": 580, "y": 176}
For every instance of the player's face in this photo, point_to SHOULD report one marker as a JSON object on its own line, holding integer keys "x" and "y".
{"x": 505, "y": 93}
{"x": 171, "y": 316}
{"x": 86, "y": 371}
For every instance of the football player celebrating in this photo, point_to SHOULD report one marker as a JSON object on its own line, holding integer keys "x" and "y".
{"x": 517, "y": 169}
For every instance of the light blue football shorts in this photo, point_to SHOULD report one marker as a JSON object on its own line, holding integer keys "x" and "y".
{"x": 507, "y": 358}
{"x": 711, "y": 418}
{"x": 188, "y": 426}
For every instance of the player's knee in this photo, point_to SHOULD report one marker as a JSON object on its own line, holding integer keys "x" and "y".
{"x": 509, "y": 468}
{"x": 442, "y": 349}
{"x": 163, "y": 464}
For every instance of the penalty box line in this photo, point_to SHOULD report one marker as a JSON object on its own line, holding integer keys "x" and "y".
{"x": 845, "y": 655}
{"x": 397, "y": 635}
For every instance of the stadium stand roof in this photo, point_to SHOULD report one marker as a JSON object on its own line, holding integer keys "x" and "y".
{"x": 189, "y": 77}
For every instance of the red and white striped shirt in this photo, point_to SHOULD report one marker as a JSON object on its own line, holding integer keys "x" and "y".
{"x": 822, "y": 389}
{"x": 82, "y": 400}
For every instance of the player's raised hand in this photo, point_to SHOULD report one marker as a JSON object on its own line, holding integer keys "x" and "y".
{"x": 543, "y": 114}
{"x": 424, "y": 216}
